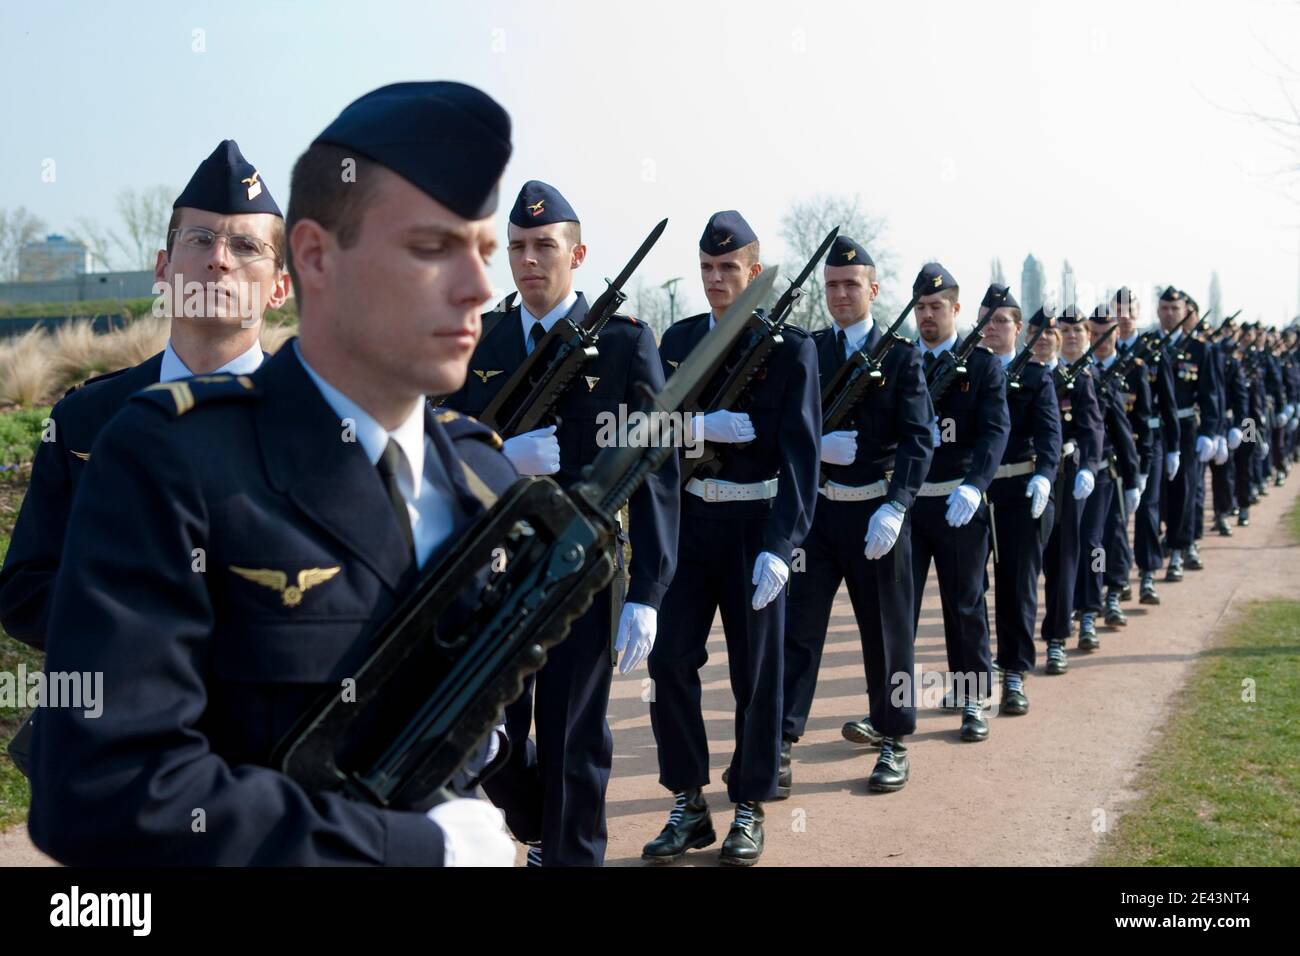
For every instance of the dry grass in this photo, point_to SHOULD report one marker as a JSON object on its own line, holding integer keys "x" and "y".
{"x": 38, "y": 366}
{"x": 28, "y": 370}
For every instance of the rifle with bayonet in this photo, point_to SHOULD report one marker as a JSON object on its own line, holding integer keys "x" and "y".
{"x": 951, "y": 365}
{"x": 456, "y": 651}
{"x": 531, "y": 394}
{"x": 1016, "y": 367}
{"x": 1075, "y": 368}
{"x": 732, "y": 385}
{"x": 858, "y": 375}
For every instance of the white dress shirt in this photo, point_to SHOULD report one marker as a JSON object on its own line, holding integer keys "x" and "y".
{"x": 854, "y": 335}
{"x": 432, "y": 517}
{"x": 526, "y": 318}
{"x": 939, "y": 349}
{"x": 173, "y": 368}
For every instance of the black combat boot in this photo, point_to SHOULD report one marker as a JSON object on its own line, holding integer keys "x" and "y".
{"x": 1014, "y": 701}
{"x": 744, "y": 843}
{"x": 861, "y": 732}
{"x": 689, "y": 827}
{"x": 892, "y": 767}
{"x": 1056, "y": 662}
{"x": 1115, "y": 616}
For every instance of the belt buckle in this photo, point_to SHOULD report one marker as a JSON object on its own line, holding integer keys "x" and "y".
{"x": 710, "y": 490}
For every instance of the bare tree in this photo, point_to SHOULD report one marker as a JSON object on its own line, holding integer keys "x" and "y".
{"x": 803, "y": 228}
{"x": 651, "y": 305}
{"x": 144, "y": 218}
{"x": 17, "y": 228}
{"x": 97, "y": 242}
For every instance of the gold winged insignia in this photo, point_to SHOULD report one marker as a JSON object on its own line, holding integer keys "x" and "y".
{"x": 485, "y": 374}
{"x": 536, "y": 207}
{"x": 254, "y": 187}
{"x": 290, "y": 594}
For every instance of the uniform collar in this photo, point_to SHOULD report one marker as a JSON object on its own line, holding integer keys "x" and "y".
{"x": 1106, "y": 362}
{"x": 942, "y": 347}
{"x": 371, "y": 435}
{"x": 173, "y": 368}
{"x": 855, "y": 334}
{"x": 1008, "y": 358}
{"x": 1051, "y": 366}
{"x": 526, "y": 318}
{"x": 1127, "y": 343}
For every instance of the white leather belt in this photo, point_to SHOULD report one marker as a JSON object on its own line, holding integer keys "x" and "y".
{"x": 837, "y": 492}
{"x": 1153, "y": 422}
{"x": 1187, "y": 412}
{"x": 935, "y": 489}
{"x": 1015, "y": 469}
{"x": 711, "y": 489}
{"x": 1068, "y": 449}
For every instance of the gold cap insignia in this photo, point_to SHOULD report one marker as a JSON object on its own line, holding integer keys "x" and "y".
{"x": 290, "y": 594}
{"x": 850, "y": 255}
{"x": 254, "y": 187}
{"x": 727, "y": 241}
{"x": 536, "y": 208}
{"x": 938, "y": 281}
{"x": 485, "y": 374}
{"x": 83, "y": 455}
{"x": 672, "y": 363}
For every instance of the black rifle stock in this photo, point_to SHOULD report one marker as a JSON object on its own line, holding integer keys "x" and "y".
{"x": 858, "y": 375}
{"x": 530, "y": 395}
{"x": 1016, "y": 368}
{"x": 442, "y": 669}
{"x": 735, "y": 380}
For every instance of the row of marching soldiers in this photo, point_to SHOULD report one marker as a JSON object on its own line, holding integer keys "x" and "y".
{"x": 1039, "y": 455}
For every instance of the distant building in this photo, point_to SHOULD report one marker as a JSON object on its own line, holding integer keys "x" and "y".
{"x": 54, "y": 257}
{"x": 79, "y": 288}
{"x": 1032, "y": 280}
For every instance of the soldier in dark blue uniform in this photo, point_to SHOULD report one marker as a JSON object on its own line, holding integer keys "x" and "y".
{"x": 738, "y": 534}
{"x": 950, "y": 520}
{"x": 1235, "y": 394}
{"x": 1161, "y": 436}
{"x": 557, "y": 794}
{"x": 1104, "y": 528}
{"x": 1020, "y": 498}
{"x": 239, "y": 538}
{"x": 1245, "y": 458}
{"x": 1080, "y": 456}
{"x": 872, "y": 469}
{"x": 1195, "y": 392}
{"x": 223, "y": 233}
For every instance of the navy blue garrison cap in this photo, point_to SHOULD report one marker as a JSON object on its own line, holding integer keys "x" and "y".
{"x": 227, "y": 184}
{"x": 846, "y": 252}
{"x": 447, "y": 139}
{"x": 1123, "y": 296}
{"x": 1103, "y": 313}
{"x": 1046, "y": 315}
{"x": 1072, "y": 314}
{"x": 931, "y": 279}
{"x": 726, "y": 232}
{"x": 540, "y": 204}
{"x": 995, "y": 292}
{"x": 1172, "y": 295}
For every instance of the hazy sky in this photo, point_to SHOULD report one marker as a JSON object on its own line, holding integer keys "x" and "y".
{"x": 1100, "y": 133}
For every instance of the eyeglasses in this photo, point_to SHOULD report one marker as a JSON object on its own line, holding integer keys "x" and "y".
{"x": 241, "y": 247}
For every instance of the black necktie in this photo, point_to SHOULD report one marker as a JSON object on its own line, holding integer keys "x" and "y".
{"x": 387, "y": 466}
{"x": 1123, "y": 347}
{"x": 843, "y": 341}
{"x": 535, "y": 335}
{"x": 928, "y": 362}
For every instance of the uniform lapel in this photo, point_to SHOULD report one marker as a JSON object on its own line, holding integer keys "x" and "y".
{"x": 329, "y": 479}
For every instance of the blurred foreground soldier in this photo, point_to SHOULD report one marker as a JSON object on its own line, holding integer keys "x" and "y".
{"x": 1104, "y": 528}
{"x": 224, "y": 234}
{"x": 860, "y": 534}
{"x": 738, "y": 533}
{"x": 249, "y": 533}
{"x": 950, "y": 520}
{"x": 1195, "y": 392}
{"x": 1081, "y": 439}
{"x": 554, "y": 797}
{"x": 1020, "y": 497}
{"x": 1161, "y": 437}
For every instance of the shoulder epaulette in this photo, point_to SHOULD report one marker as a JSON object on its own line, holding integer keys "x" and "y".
{"x": 178, "y": 397}
{"x": 460, "y": 426}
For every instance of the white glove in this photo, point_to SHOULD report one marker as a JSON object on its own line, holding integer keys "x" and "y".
{"x": 1204, "y": 448}
{"x": 936, "y": 438}
{"x": 1142, "y": 484}
{"x": 1288, "y": 410}
{"x": 1282, "y": 418}
{"x": 473, "y": 834}
{"x": 1172, "y": 459}
{"x": 1234, "y": 438}
{"x": 962, "y": 504}
{"x": 637, "y": 626}
{"x": 1263, "y": 449}
{"x": 839, "y": 448}
{"x": 728, "y": 428}
{"x": 1131, "y": 496}
{"x": 770, "y": 575}
{"x": 1037, "y": 492}
{"x": 1292, "y": 425}
{"x": 882, "y": 531}
{"x": 534, "y": 453}
{"x": 1220, "y": 450}
{"x": 1083, "y": 484}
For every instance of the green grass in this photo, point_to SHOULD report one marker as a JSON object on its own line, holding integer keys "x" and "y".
{"x": 20, "y": 435}
{"x": 90, "y": 307}
{"x": 1224, "y": 787}
{"x": 15, "y": 794}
